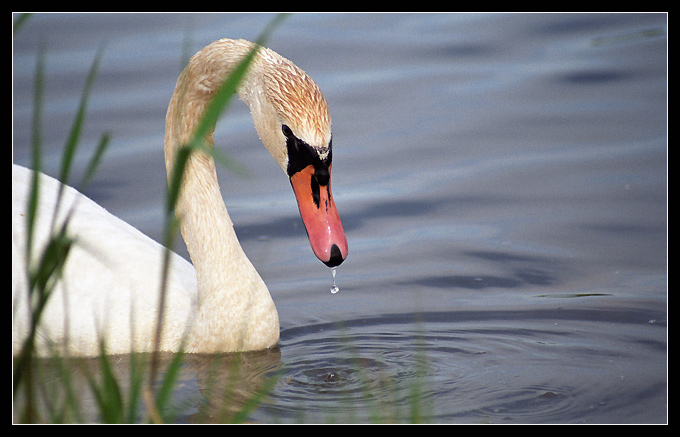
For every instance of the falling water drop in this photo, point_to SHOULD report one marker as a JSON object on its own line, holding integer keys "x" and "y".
{"x": 334, "y": 288}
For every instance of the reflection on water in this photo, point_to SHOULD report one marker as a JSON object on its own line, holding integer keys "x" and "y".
{"x": 221, "y": 388}
{"x": 501, "y": 179}
{"x": 209, "y": 388}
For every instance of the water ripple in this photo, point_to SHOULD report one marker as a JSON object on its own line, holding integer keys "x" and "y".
{"x": 462, "y": 367}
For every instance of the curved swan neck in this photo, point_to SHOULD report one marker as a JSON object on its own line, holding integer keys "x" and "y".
{"x": 205, "y": 224}
{"x": 204, "y": 221}
{"x": 228, "y": 284}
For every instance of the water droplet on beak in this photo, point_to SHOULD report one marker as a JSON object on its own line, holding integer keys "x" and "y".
{"x": 334, "y": 287}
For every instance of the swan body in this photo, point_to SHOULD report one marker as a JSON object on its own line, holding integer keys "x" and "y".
{"x": 110, "y": 286}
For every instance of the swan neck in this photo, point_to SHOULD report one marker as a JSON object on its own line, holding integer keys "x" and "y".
{"x": 204, "y": 221}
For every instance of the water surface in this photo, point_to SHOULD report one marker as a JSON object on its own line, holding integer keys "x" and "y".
{"x": 501, "y": 179}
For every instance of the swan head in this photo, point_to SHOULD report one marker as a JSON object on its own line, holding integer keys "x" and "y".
{"x": 292, "y": 119}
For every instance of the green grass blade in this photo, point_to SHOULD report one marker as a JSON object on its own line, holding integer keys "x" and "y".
{"x": 169, "y": 381}
{"x": 108, "y": 394}
{"x": 135, "y": 389}
{"x": 77, "y": 127}
{"x": 223, "y": 96}
{"x": 95, "y": 160}
{"x": 23, "y": 364}
{"x": 217, "y": 106}
{"x": 46, "y": 268}
{"x": 18, "y": 24}
{"x": 36, "y": 148}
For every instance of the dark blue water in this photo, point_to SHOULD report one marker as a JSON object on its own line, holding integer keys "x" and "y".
{"x": 502, "y": 179}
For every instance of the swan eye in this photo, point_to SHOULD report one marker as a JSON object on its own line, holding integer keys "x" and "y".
{"x": 287, "y": 132}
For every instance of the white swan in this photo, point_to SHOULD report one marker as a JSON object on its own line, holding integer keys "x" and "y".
{"x": 110, "y": 286}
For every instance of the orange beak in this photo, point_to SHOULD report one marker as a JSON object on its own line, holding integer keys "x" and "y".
{"x": 321, "y": 219}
